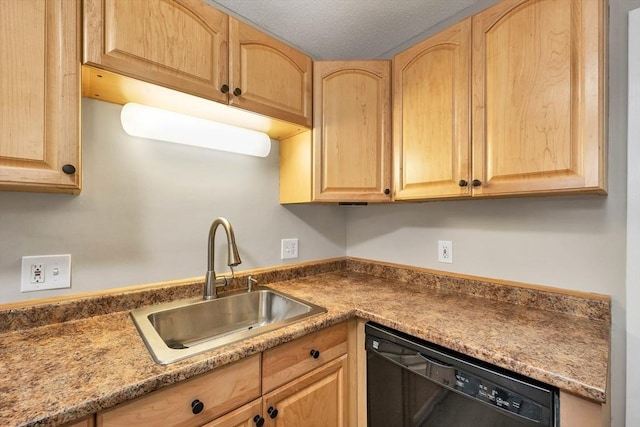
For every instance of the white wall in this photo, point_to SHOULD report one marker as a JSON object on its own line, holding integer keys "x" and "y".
{"x": 145, "y": 209}
{"x": 571, "y": 242}
{"x": 633, "y": 225}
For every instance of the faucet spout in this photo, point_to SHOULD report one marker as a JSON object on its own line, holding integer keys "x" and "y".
{"x": 212, "y": 283}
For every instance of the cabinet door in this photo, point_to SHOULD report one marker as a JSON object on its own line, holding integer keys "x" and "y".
{"x": 40, "y": 93}
{"x": 180, "y": 44}
{"x": 248, "y": 415}
{"x": 317, "y": 399}
{"x": 268, "y": 76}
{"x": 352, "y": 132}
{"x": 431, "y": 90}
{"x": 538, "y": 97}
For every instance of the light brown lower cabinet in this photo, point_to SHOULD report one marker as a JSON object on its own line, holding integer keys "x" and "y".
{"x": 318, "y": 380}
{"x": 304, "y": 380}
{"x": 317, "y": 399}
{"x": 191, "y": 403}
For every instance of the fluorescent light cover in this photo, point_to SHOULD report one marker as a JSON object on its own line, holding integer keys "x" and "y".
{"x": 154, "y": 123}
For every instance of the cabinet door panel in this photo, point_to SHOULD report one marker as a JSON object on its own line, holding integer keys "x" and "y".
{"x": 431, "y": 109}
{"x": 538, "y": 97}
{"x": 318, "y": 399}
{"x": 40, "y": 92}
{"x": 274, "y": 79}
{"x": 352, "y": 130}
{"x": 179, "y": 44}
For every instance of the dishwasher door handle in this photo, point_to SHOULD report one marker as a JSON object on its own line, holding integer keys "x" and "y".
{"x": 415, "y": 361}
{"x": 440, "y": 372}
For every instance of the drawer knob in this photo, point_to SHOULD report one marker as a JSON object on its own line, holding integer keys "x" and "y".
{"x": 273, "y": 412}
{"x": 476, "y": 183}
{"x": 258, "y": 420}
{"x": 387, "y": 191}
{"x": 69, "y": 169}
{"x": 314, "y": 353}
{"x": 463, "y": 183}
{"x": 237, "y": 91}
{"x": 197, "y": 406}
{"x": 224, "y": 88}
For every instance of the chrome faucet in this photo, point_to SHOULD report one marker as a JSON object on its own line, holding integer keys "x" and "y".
{"x": 212, "y": 283}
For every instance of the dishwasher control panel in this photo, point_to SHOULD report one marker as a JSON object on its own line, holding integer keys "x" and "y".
{"x": 488, "y": 392}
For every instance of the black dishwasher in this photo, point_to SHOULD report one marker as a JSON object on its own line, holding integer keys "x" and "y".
{"x": 413, "y": 383}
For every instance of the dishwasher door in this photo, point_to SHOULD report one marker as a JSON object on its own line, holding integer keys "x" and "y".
{"x": 412, "y": 384}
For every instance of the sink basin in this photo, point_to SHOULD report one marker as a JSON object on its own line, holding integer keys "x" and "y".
{"x": 181, "y": 329}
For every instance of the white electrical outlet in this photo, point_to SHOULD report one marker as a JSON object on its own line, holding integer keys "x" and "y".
{"x": 289, "y": 249}
{"x": 445, "y": 251}
{"x": 45, "y": 272}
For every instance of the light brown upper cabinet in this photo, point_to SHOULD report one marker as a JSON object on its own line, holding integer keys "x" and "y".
{"x": 431, "y": 116}
{"x": 268, "y": 76}
{"x": 352, "y": 133}
{"x": 189, "y": 46}
{"x": 40, "y": 91}
{"x": 347, "y": 159}
{"x": 538, "y": 98}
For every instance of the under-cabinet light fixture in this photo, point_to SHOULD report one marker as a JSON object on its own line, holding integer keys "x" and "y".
{"x": 162, "y": 125}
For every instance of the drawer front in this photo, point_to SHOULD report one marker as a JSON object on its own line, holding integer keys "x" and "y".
{"x": 289, "y": 361}
{"x": 219, "y": 392}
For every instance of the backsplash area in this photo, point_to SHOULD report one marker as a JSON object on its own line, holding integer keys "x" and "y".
{"x": 592, "y": 306}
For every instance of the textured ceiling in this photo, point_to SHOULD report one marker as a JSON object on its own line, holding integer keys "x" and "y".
{"x": 344, "y": 29}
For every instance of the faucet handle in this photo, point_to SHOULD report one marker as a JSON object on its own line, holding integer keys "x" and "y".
{"x": 250, "y": 282}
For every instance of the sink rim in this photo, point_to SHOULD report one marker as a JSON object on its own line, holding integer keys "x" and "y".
{"x": 164, "y": 355}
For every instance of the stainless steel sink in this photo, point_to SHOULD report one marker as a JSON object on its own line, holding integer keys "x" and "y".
{"x": 178, "y": 330}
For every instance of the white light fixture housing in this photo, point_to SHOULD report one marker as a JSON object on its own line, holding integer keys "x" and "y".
{"x": 162, "y": 125}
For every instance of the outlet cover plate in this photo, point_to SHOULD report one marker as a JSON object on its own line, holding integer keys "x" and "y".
{"x": 289, "y": 249}
{"x": 50, "y": 271}
{"x": 445, "y": 251}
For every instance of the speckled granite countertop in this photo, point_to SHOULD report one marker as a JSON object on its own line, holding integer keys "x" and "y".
{"x": 56, "y": 373}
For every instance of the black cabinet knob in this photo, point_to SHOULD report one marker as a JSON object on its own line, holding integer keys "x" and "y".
{"x": 387, "y": 191}
{"x": 69, "y": 169}
{"x": 476, "y": 183}
{"x": 237, "y": 91}
{"x": 463, "y": 183}
{"x": 258, "y": 420}
{"x": 224, "y": 88}
{"x": 314, "y": 353}
{"x": 273, "y": 412}
{"x": 197, "y": 406}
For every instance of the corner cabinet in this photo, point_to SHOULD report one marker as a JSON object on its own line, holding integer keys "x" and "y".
{"x": 191, "y": 47}
{"x": 510, "y": 102}
{"x": 347, "y": 156}
{"x": 538, "y": 97}
{"x": 40, "y": 88}
{"x": 431, "y": 116}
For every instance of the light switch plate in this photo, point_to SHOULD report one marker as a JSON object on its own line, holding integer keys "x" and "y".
{"x": 45, "y": 272}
